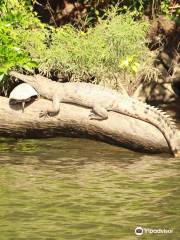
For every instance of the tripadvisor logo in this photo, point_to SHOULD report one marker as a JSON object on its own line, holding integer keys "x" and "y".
{"x": 139, "y": 231}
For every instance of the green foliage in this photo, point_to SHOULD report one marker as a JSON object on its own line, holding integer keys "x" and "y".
{"x": 84, "y": 14}
{"x": 165, "y": 6}
{"x": 112, "y": 53}
{"x": 151, "y": 8}
{"x": 19, "y": 28}
{"x": 115, "y": 48}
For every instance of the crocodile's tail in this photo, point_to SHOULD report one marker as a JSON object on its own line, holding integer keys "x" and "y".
{"x": 168, "y": 128}
{"x": 154, "y": 116}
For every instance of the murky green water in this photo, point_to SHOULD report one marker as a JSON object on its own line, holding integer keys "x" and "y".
{"x": 78, "y": 189}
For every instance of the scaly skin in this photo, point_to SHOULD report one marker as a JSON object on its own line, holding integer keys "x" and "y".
{"x": 101, "y": 100}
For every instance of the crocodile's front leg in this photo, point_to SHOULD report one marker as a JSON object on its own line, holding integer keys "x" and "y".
{"x": 98, "y": 113}
{"x": 54, "y": 109}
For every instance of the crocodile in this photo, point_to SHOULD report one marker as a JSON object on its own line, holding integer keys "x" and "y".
{"x": 101, "y": 100}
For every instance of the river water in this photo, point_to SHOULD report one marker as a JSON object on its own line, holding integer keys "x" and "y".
{"x": 67, "y": 188}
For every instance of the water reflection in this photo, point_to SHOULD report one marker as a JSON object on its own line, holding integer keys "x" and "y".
{"x": 68, "y": 188}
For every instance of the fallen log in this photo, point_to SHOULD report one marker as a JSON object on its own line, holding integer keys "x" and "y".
{"x": 73, "y": 121}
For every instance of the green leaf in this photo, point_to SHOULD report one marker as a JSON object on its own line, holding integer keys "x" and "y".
{"x": 2, "y": 76}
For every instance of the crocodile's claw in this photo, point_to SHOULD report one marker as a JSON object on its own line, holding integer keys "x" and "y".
{"x": 94, "y": 116}
{"x": 43, "y": 113}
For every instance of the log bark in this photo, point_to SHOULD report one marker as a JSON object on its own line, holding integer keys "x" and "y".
{"x": 73, "y": 121}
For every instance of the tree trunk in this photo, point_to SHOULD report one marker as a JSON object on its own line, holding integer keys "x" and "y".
{"x": 73, "y": 121}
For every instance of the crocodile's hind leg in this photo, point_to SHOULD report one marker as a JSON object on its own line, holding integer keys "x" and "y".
{"x": 99, "y": 113}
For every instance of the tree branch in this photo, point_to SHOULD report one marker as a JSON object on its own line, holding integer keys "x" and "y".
{"x": 74, "y": 121}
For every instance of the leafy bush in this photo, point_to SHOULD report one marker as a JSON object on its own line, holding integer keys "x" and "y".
{"x": 112, "y": 53}
{"x": 19, "y": 29}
